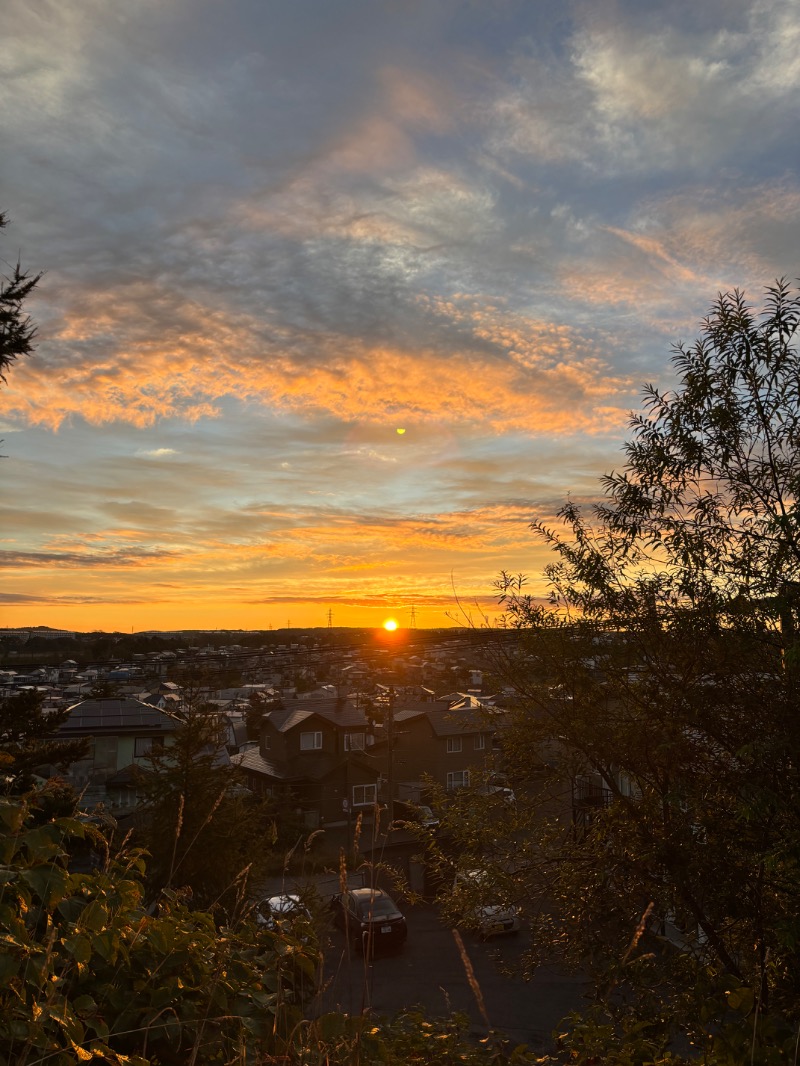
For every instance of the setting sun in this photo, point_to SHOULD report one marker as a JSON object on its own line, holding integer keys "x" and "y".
{"x": 390, "y": 624}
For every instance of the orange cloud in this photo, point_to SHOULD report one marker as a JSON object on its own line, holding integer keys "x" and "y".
{"x": 105, "y": 365}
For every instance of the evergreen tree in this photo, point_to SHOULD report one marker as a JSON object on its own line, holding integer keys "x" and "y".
{"x": 204, "y": 832}
{"x": 17, "y": 332}
{"x": 28, "y": 741}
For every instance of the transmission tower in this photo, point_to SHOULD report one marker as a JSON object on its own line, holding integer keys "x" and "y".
{"x": 330, "y": 618}
{"x": 413, "y": 617}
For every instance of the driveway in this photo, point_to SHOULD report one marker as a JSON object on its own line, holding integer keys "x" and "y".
{"x": 429, "y": 972}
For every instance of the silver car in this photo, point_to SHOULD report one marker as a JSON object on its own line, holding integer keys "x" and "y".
{"x": 487, "y": 919}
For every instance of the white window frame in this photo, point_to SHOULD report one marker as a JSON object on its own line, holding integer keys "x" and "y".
{"x": 462, "y": 782}
{"x": 479, "y": 742}
{"x": 360, "y": 738}
{"x": 364, "y": 791}
{"x": 315, "y": 743}
{"x": 454, "y": 745}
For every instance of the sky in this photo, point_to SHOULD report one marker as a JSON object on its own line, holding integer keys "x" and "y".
{"x": 340, "y": 295}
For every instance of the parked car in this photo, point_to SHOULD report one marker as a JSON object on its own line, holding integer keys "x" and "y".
{"x": 271, "y": 911}
{"x": 419, "y": 813}
{"x": 487, "y": 919}
{"x": 370, "y": 919}
{"x": 501, "y": 792}
{"x": 299, "y": 970}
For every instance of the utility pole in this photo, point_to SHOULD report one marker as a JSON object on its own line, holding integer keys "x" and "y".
{"x": 390, "y": 758}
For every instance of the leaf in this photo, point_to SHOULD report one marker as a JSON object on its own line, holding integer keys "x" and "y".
{"x": 9, "y": 967}
{"x": 12, "y": 815}
{"x": 71, "y": 908}
{"x": 332, "y": 1026}
{"x": 85, "y": 1004}
{"x": 43, "y": 843}
{"x": 106, "y": 944}
{"x": 94, "y": 917}
{"x": 49, "y": 882}
{"x": 80, "y": 948}
{"x": 742, "y": 1000}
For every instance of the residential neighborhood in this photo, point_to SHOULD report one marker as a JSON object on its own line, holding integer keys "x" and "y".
{"x": 336, "y": 732}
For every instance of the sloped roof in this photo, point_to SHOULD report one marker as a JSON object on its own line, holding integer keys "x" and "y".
{"x": 252, "y": 759}
{"x": 116, "y": 716}
{"x": 341, "y": 713}
{"x": 448, "y": 723}
{"x": 407, "y": 714}
{"x": 419, "y": 706}
{"x": 284, "y": 720}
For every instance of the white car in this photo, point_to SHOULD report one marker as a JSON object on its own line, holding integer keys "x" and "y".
{"x": 274, "y": 909}
{"x": 488, "y": 919}
{"x": 498, "y": 792}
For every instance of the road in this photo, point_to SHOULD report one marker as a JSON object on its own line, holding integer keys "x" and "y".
{"x": 429, "y": 972}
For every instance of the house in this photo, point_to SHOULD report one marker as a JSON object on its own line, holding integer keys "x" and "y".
{"x": 318, "y": 753}
{"x": 447, "y": 745}
{"x": 124, "y": 731}
{"x": 335, "y": 761}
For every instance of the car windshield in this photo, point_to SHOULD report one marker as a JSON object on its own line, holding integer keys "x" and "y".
{"x": 378, "y": 907}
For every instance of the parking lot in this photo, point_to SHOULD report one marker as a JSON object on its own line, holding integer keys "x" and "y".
{"x": 429, "y": 972}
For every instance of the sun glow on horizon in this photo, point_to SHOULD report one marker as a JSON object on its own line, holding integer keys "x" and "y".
{"x": 390, "y": 625}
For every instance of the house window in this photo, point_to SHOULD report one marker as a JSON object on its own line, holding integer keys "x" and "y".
{"x": 354, "y": 741}
{"x": 310, "y": 741}
{"x": 480, "y": 742}
{"x": 365, "y": 795}
{"x": 453, "y": 745}
{"x": 457, "y": 779}
{"x": 144, "y": 746}
{"x": 105, "y": 753}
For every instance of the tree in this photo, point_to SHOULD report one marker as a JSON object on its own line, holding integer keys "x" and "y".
{"x": 203, "y": 831}
{"x": 713, "y": 469}
{"x": 657, "y": 721}
{"x": 17, "y": 332}
{"x": 28, "y": 741}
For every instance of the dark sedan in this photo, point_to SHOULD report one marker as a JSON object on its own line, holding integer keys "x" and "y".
{"x": 370, "y": 919}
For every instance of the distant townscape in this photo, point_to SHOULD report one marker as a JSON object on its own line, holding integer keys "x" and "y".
{"x": 345, "y": 721}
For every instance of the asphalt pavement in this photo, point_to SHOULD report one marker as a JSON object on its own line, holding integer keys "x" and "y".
{"x": 430, "y": 972}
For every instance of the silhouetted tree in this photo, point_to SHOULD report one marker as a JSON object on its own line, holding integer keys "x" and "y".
{"x": 657, "y": 717}
{"x": 28, "y": 741}
{"x": 16, "y": 329}
{"x": 203, "y": 830}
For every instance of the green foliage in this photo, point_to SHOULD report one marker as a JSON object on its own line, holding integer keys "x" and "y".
{"x": 407, "y": 1038}
{"x": 88, "y": 972}
{"x": 27, "y": 741}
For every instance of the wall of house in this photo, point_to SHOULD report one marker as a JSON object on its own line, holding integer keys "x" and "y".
{"x": 419, "y": 752}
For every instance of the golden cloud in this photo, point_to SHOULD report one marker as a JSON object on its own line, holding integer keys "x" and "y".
{"x": 104, "y": 365}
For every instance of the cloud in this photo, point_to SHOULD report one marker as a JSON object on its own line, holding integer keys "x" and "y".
{"x": 272, "y": 234}
{"x": 103, "y": 369}
{"x": 655, "y": 91}
{"x": 79, "y": 560}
